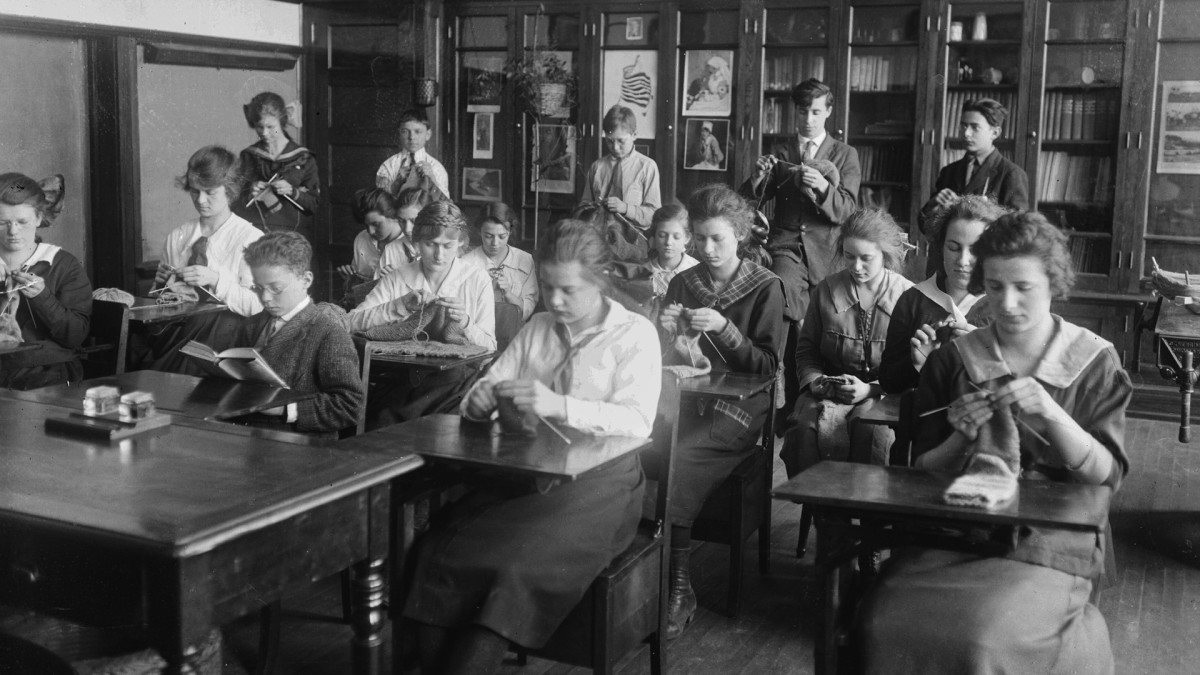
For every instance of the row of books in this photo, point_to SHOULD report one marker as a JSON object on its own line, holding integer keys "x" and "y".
{"x": 956, "y": 99}
{"x": 1081, "y": 116}
{"x": 1065, "y": 177}
{"x": 883, "y": 73}
{"x": 1090, "y": 255}
{"x": 781, "y": 73}
{"x": 885, "y": 163}
{"x": 779, "y": 116}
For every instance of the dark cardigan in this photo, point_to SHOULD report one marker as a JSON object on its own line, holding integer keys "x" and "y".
{"x": 313, "y": 353}
{"x": 297, "y": 166}
{"x": 58, "y": 317}
{"x": 913, "y": 310}
{"x": 997, "y": 178}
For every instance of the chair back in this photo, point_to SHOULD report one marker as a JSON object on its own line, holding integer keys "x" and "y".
{"x": 509, "y": 320}
{"x": 660, "y": 460}
{"x": 104, "y": 350}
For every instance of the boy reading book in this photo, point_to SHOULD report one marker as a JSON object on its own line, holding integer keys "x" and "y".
{"x": 303, "y": 343}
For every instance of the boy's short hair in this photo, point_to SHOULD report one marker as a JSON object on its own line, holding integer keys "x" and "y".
{"x": 376, "y": 199}
{"x": 810, "y": 90}
{"x": 413, "y": 115}
{"x": 280, "y": 249}
{"x": 619, "y": 118}
{"x": 992, "y": 110}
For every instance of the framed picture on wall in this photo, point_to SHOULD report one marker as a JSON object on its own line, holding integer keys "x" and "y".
{"x": 483, "y": 135}
{"x": 1179, "y": 128}
{"x": 631, "y": 80}
{"x": 706, "y": 145}
{"x": 484, "y": 75}
{"x": 481, "y": 184}
{"x": 708, "y": 82}
{"x": 553, "y": 167}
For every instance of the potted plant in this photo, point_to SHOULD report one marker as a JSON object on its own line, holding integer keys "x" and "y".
{"x": 543, "y": 81}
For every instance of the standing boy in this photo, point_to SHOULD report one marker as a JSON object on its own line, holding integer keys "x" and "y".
{"x": 307, "y": 347}
{"x": 412, "y": 166}
{"x": 624, "y": 182}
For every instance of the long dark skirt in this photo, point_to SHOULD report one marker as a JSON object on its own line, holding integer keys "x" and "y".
{"x": 219, "y": 330}
{"x": 403, "y": 394}
{"x": 947, "y": 612}
{"x": 518, "y": 562}
{"x": 23, "y": 378}
{"x": 709, "y": 448}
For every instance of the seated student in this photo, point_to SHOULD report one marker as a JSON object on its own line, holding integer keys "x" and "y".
{"x": 437, "y": 281}
{"x": 840, "y": 346}
{"x": 307, "y": 347}
{"x": 387, "y": 223}
{"x": 1027, "y": 610}
{"x": 506, "y": 566}
{"x": 511, "y": 269}
{"x": 925, "y": 312}
{"x": 409, "y": 203}
{"x": 670, "y": 240}
{"x": 412, "y": 166}
{"x": 624, "y": 182}
{"x": 206, "y": 254}
{"x": 49, "y": 298}
{"x": 737, "y": 306}
{"x": 283, "y": 188}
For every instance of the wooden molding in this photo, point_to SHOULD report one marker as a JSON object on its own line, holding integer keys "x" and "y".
{"x": 175, "y": 54}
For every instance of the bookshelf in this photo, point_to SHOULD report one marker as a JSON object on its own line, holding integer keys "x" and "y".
{"x": 795, "y": 48}
{"x": 883, "y": 60}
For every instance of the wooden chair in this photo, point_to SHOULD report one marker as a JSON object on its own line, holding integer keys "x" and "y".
{"x": 104, "y": 351}
{"x": 509, "y": 320}
{"x": 627, "y": 603}
{"x": 739, "y": 507}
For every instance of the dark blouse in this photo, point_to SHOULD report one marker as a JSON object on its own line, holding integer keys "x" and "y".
{"x": 913, "y": 310}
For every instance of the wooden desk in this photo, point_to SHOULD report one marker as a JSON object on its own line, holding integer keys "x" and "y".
{"x": 885, "y": 412}
{"x": 894, "y": 504}
{"x": 212, "y": 398}
{"x": 187, "y": 530}
{"x": 20, "y": 347}
{"x": 147, "y": 310}
{"x": 727, "y": 386}
{"x": 438, "y": 363}
{"x": 1177, "y": 336}
{"x": 451, "y": 440}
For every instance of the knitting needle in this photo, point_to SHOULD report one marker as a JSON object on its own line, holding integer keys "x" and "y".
{"x": 554, "y": 429}
{"x": 269, "y": 181}
{"x": 927, "y": 413}
{"x": 1015, "y": 417}
{"x": 714, "y": 346}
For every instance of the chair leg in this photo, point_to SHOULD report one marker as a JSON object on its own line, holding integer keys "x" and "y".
{"x": 269, "y": 618}
{"x": 658, "y": 655}
{"x": 347, "y": 592}
{"x": 737, "y": 551}
{"x": 805, "y": 527}
{"x": 764, "y": 525}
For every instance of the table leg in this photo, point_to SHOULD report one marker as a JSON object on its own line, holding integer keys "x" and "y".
{"x": 369, "y": 591}
{"x": 1187, "y": 381}
{"x": 829, "y": 572}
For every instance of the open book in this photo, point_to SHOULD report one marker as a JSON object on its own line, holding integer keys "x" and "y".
{"x": 240, "y": 363}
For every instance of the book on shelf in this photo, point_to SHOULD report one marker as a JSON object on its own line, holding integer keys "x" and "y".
{"x": 1081, "y": 116}
{"x": 240, "y": 363}
{"x": 1066, "y": 177}
{"x": 781, "y": 73}
{"x": 956, "y": 98}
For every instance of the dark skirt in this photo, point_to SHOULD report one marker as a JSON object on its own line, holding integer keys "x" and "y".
{"x": 947, "y": 612}
{"x": 802, "y": 447}
{"x": 408, "y": 393}
{"x": 219, "y": 330}
{"x": 709, "y": 447}
{"x": 23, "y": 378}
{"x": 518, "y": 562}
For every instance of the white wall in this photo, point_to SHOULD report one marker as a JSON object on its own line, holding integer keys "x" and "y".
{"x": 254, "y": 20}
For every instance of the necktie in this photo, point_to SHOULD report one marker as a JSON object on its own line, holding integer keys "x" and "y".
{"x": 972, "y": 167}
{"x": 810, "y": 150}
{"x": 565, "y": 372}
{"x": 199, "y": 255}
{"x": 268, "y": 332}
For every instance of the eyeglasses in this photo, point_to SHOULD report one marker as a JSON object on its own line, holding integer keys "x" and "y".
{"x": 274, "y": 289}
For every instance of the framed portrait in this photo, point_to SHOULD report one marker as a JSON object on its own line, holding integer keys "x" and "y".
{"x": 635, "y": 29}
{"x": 483, "y": 134}
{"x": 707, "y": 82}
{"x": 631, "y": 80}
{"x": 480, "y": 184}
{"x": 484, "y": 74}
{"x": 706, "y": 145}
{"x": 643, "y": 148}
{"x": 552, "y": 169}
{"x": 1179, "y": 128}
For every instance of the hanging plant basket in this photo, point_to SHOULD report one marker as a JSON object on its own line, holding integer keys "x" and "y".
{"x": 549, "y": 97}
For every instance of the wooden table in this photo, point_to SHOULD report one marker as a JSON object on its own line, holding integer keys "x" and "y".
{"x": 20, "y": 347}
{"x": 181, "y": 532}
{"x": 437, "y": 363}
{"x": 147, "y": 311}
{"x": 213, "y": 398}
{"x": 726, "y": 386}
{"x": 900, "y": 506}
{"x": 1177, "y": 336}
{"x": 450, "y": 440}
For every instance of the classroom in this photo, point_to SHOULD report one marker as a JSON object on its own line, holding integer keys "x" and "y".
{"x": 646, "y": 336}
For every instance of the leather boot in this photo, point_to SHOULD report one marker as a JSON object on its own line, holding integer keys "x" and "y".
{"x": 681, "y": 606}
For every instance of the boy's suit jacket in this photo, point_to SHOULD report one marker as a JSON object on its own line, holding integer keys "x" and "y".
{"x": 997, "y": 178}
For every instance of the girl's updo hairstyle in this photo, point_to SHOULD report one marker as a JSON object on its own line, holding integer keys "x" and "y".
{"x": 965, "y": 207}
{"x": 437, "y": 218}
{"x": 500, "y": 214}
{"x": 17, "y": 189}
{"x": 416, "y": 196}
{"x": 376, "y": 199}
{"x": 213, "y": 166}
{"x": 572, "y": 240}
{"x": 268, "y": 103}
{"x": 879, "y": 228}
{"x": 1026, "y": 234}
{"x": 720, "y": 201}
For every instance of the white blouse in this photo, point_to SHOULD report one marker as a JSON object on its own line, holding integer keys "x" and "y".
{"x": 615, "y": 378}
{"x": 225, "y": 249}
{"x": 515, "y": 274}
{"x": 464, "y": 282}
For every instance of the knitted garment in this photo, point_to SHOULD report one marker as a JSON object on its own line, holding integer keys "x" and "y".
{"x": 827, "y": 169}
{"x": 113, "y": 295}
{"x": 430, "y": 348}
{"x": 990, "y": 479}
{"x": 684, "y": 357}
{"x": 427, "y": 324}
{"x": 357, "y": 293}
{"x": 10, "y": 332}
{"x": 177, "y": 292}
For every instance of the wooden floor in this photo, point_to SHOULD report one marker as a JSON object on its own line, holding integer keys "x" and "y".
{"x": 1152, "y": 606}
